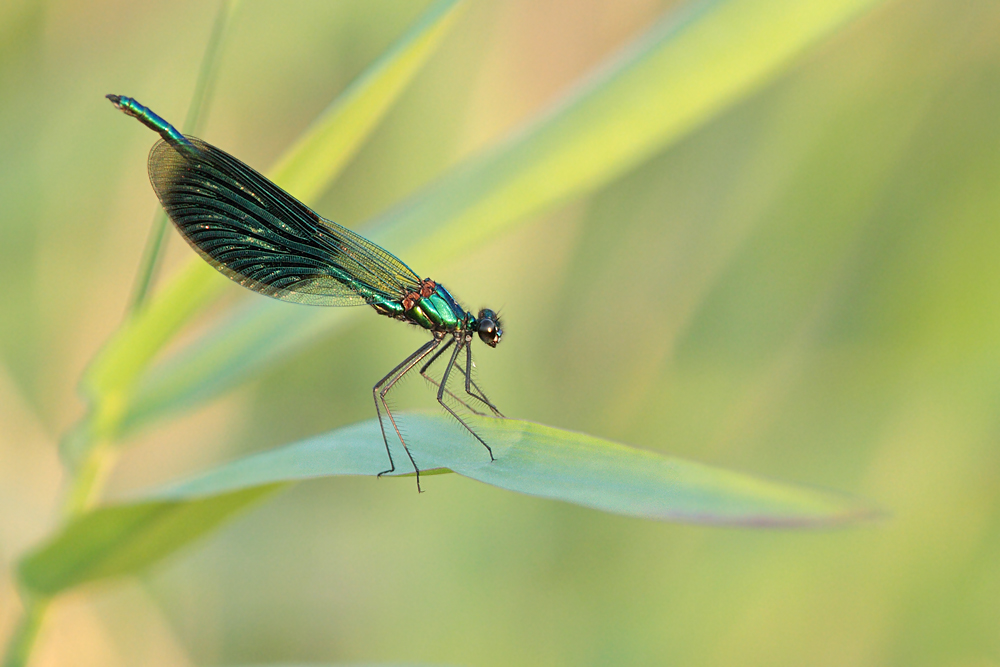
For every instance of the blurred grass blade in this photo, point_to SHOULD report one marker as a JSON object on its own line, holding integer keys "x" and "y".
{"x": 308, "y": 167}
{"x": 530, "y": 458}
{"x": 327, "y": 145}
{"x": 668, "y": 82}
{"x": 203, "y": 89}
{"x": 123, "y": 539}
{"x": 675, "y": 78}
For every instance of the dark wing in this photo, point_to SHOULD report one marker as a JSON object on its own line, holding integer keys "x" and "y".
{"x": 263, "y": 238}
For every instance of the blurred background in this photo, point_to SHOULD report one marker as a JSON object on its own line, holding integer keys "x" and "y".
{"x": 812, "y": 289}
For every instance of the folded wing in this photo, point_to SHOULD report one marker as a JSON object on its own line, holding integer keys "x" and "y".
{"x": 263, "y": 238}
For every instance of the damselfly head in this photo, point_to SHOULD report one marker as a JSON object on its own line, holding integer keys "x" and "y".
{"x": 488, "y": 326}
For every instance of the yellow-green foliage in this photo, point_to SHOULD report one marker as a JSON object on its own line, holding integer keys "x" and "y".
{"x": 760, "y": 234}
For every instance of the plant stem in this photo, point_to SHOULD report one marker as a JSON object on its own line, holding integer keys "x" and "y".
{"x": 23, "y": 639}
{"x": 87, "y": 478}
{"x": 85, "y": 485}
{"x": 203, "y": 88}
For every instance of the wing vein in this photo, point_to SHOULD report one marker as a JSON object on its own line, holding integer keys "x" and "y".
{"x": 260, "y": 236}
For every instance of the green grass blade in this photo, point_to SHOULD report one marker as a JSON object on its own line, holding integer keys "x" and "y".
{"x": 122, "y": 539}
{"x": 541, "y": 461}
{"x": 307, "y": 168}
{"x": 671, "y": 80}
{"x": 324, "y": 149}
{"x": 203, "y": 89}
{"x": 530, "y": 458}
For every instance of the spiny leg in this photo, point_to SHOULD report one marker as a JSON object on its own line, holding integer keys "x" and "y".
{"x": 401, "y": 370}
{"x": 470, "y": 385}
{"x": 467, "y": 373}
{"x": 440, "y": 396}
{"x": 434, "y": 357}
{"x": 378, "y": 385}
{"x": 382, "y": 394}
{"x": 394, "y": 376}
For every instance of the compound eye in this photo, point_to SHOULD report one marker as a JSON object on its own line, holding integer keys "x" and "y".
{"x": 489, "y": 327}
{"x": 488, "y": 332}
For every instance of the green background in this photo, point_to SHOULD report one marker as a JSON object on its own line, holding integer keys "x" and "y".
{"x": 806, "y": 288}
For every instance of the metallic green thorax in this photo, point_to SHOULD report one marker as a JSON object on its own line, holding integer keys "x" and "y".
{"x": 437, "y": 312}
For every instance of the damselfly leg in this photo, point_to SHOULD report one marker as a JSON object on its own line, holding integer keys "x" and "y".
{"x": 469, "y": 382}
{"x": 470, "y": 385}
{"x": 382, "y": 388}
{"x": 459, "y": 345}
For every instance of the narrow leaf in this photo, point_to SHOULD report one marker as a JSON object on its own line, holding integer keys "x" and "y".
{"x": 321, "y": 153}
{"x": 306, "y": 169}
{"x": 203, "y": 89}
{"x": 530, "y": 458}
{"x": 541, "y": 461}
{"x": 123, "y": 539}
{"x": 670, "y": 81}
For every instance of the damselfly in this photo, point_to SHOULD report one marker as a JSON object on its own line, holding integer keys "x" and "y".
{"x": 257, "y": 234}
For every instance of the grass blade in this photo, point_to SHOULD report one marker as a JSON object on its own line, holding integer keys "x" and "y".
{"x": 203, "y": 88}
{"x": 308, "y": 167}
{"x": 123, "y": 539}
{"x": 321, "y": 153}
{"x": 668, "y": 82}
{"x": 530, "y": 458}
